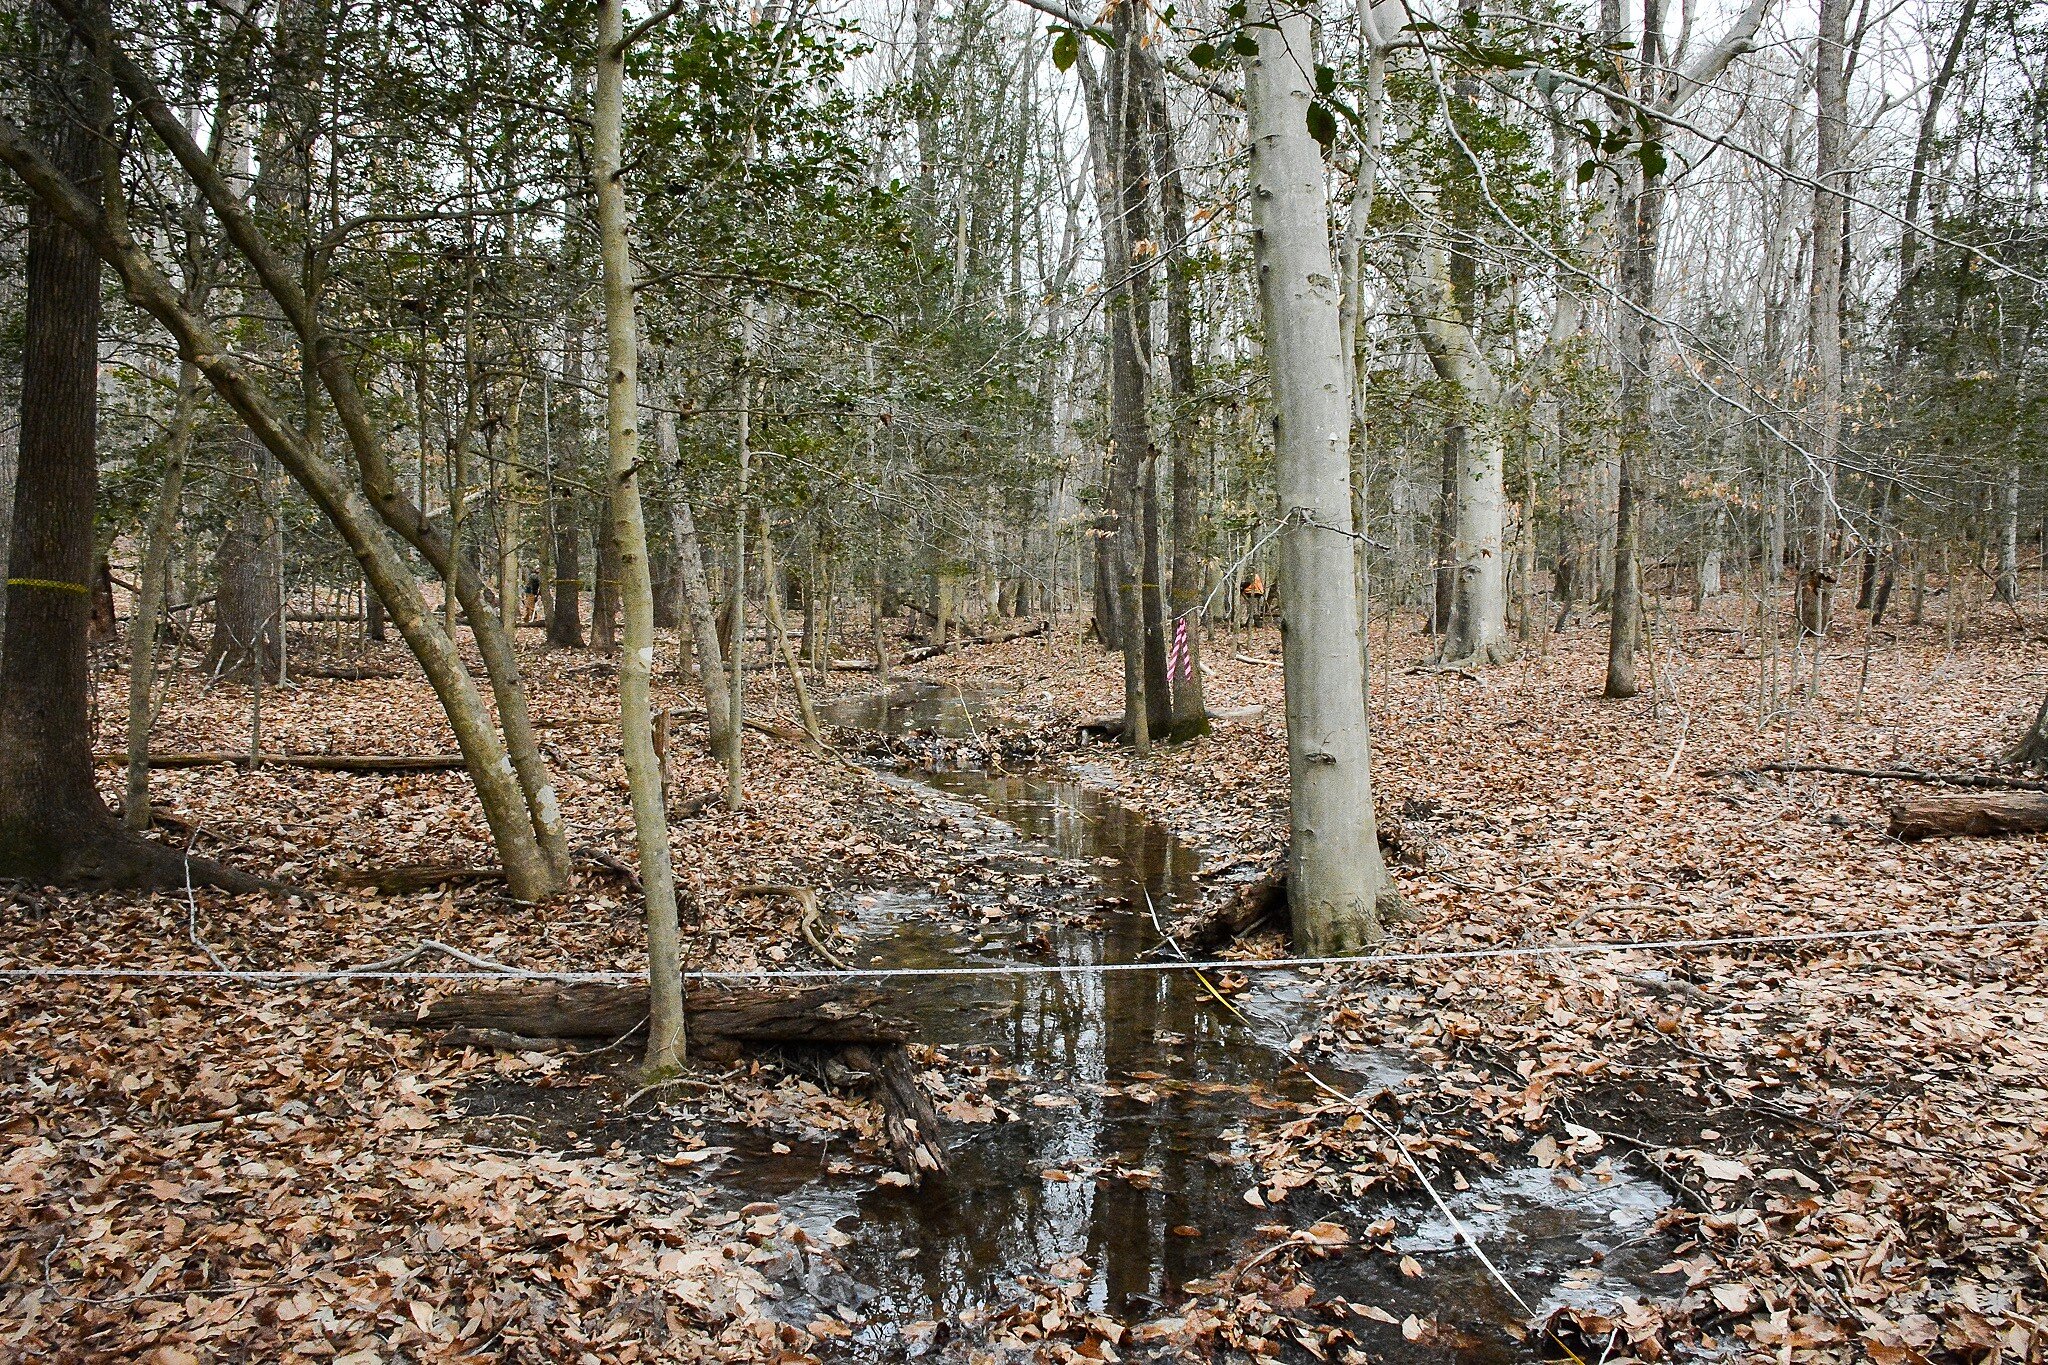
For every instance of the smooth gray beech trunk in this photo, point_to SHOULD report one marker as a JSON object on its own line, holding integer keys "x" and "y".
{"x": 629, "y": 545}
{"x": 2008, "y": 589}
{"x": 1335, "y": 875}
{"x": 1475, "y": 628}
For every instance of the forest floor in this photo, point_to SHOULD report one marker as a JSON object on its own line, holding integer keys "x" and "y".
{"x": 1851, "y": 1132}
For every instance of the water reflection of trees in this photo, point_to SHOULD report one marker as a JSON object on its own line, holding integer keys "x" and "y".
{"x": 998, "y": 1217}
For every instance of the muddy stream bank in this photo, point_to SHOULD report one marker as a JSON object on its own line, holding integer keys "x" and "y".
{"x": 1116, "y": 1159}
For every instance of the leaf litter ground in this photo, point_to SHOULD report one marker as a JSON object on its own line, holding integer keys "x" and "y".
{"x": 1851, "y": 1135}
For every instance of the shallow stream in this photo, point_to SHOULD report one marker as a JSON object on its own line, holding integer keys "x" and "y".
{"x": 1121, "y": 1133}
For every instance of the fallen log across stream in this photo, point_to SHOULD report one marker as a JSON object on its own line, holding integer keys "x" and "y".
{"x": 923, "y": 652}
{"x": 844, "y": 1032}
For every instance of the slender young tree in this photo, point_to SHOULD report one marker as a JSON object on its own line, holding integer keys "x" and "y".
{"x": 628, "y": 531}
{"x": 1824, "y": 328}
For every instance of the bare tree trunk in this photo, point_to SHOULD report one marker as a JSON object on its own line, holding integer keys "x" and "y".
{"x": 1335, "y": 874}
{"x": 149, "y": 600}
{"x": 1641, "y": 223}
{"x": 1831, "y": 94}
{"x": 2008, "y": 589}
{"x": 1121, "y": 205}
{"x": 1444, "y": 570}
{"x": 736, "y": 656}
{"x": 604, "y": 589}
{"x": 774, "y": 591}
{"x": 54, "y": 828}
{"x": 693, "y": 590}
{"x": 530, "y": 870}
{"x": 565, "y": 622}
{"x": 1189, "y": 714}
{"x": 247, "y": 620}
{"x": 629, "y": 538}
{"x": 703, "y": 626}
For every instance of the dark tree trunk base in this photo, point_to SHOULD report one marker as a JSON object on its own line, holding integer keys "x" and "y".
{"x": 95, "y": 854}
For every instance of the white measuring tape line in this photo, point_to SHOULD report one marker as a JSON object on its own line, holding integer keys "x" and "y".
{"x": 508, "y": 973}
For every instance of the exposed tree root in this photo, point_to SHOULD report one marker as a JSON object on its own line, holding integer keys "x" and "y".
{"x": 97, "y": 854}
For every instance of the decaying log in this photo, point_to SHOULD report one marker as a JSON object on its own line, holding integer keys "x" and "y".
{"x": 908, "y": 1119}
{"x": 923, "y": 652}
{"x": 695, "y": 805}
{"x": 1986, "y": 781}
{"x": 409, "y": 877}
{"x": 1984, "y": 813}
{"x": 847, "y": 1025}
{"x": 338, "y": 763}
{"x": 1248, "y": 906}
{"x": 833, "y": 1015}
{"x": 347, "y": 672}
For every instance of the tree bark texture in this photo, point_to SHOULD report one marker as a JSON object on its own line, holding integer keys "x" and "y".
{"x": 1335, "y": 874}
{"x": 628, "y": 539}
{"x": 507, "y": 802}
{"x": 247, "y": 629}
{"x": 1978, "y": 813}
{"x": 1831, "y": 97}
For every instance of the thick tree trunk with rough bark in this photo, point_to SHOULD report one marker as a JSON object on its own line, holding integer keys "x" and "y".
{"x": 362, "y": 506}
{"x": 53, "y": 825}
{"x": 247, "y": 629}
{"x": 565, "y": 621}
{"x": 1335, "y": 874}
{"x": 50, "y": 809}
